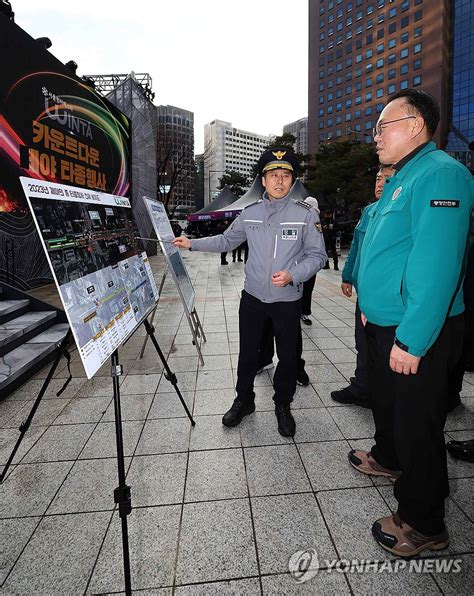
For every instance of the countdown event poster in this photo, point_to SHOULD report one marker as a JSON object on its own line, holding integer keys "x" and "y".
{"x": 53, "y": 127}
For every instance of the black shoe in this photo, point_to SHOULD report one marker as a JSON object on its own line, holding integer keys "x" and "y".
{"x": 302, "y": 378}
{"x": 326, "y": 267}
{"x": 306, "y": 320}
{"x": 238, "y": 410}
{"x": 240, "y": 260}
{"x": 224, "y": 263}
{"x": 346, "y": 396}
{"x": 336, "y": 268}
{"x": 461, "y": 449}
{"x": 286, "y": 422}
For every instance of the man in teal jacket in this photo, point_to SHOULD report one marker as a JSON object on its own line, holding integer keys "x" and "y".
{"x": 358, "y": 390}
{"x": 410, "y": 294}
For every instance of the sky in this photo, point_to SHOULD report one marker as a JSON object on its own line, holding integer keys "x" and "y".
{"x": 242, "y": 61}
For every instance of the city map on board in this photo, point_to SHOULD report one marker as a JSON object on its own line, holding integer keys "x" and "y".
{"x": 106, "y": 285}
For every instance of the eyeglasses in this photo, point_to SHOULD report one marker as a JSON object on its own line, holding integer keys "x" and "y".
{"x": 378, "y": 130}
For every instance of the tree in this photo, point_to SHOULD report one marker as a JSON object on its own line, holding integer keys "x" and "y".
{"x": 174, "y": 164}
{"x": 172, "y": 167}
{"x": 237, "y": 182}
{"x": 343, "y": 174}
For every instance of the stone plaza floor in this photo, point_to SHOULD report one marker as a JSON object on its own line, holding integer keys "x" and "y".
{"x": 215, "y": 510}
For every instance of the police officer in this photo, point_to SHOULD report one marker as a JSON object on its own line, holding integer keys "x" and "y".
{"x": 410, "y": 277}
{"x": 285, "y": 248}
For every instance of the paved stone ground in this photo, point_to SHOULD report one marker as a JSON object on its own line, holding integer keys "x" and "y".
{"x": 216, "y": 510}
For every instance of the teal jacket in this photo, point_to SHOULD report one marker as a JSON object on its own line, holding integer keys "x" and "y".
{"x": 413, "y": 257}
{"x": 351, "y": 266}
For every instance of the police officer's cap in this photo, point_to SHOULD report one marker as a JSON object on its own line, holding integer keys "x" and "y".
{"x": 279, "y": 157}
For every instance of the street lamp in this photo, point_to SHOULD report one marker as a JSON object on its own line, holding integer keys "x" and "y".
{"x": 209, "y": 180}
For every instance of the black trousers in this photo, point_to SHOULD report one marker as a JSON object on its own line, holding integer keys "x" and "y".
{"x": 267, "y": 350}
{"x": 466, "y": 362}
{"x": 308, "y": 287}
{"x": 284, "y": 318}
{"x": 360, "y": 380}
{"x": 409, "y": 414}
{"x": 331, "y": 251}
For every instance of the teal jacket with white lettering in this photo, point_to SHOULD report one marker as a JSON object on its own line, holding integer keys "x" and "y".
{"x": 413, "y": 257}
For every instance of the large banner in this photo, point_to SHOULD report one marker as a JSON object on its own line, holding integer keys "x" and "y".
{"x": 106, "y": 285}
{"x": 53, "y": 127}
{"x": 164, "y": 233}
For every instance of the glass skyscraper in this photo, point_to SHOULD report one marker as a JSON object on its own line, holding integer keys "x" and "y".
{"x": 461, "y": 134}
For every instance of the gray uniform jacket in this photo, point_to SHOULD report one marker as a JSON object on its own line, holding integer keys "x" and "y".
{"x": 281, "y": 234}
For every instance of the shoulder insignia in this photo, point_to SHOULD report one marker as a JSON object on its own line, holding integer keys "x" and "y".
{"x": 251, "y": 204}
{"x": 319, "y": 227}
{"x": 303, "y": 204}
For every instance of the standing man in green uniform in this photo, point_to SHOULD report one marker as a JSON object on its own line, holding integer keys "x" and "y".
{"x": 410, "y": 295}
{"x": 357, "y": 391}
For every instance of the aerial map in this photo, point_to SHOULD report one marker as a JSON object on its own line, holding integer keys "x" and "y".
{"x": 106, "y": 285}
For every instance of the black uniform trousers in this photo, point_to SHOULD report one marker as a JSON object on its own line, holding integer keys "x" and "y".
{"x": 360, "y": 380}
{"x": 254, "y": 316}
{"x": 267, "y": 351}
{"x": 409, "y": 414}
{"x": 308, "y": 287}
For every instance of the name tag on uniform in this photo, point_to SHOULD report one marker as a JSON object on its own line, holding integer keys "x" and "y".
{"x": 445, "y": 203}
{"x": 289, "y": 234}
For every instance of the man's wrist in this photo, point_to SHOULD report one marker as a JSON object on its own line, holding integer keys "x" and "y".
{"x": 401, "y": 345}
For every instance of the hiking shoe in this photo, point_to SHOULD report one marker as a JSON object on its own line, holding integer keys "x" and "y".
{"x": 306, "y": 320}
{"x": 346, "y": 396}
{"x": 402, "y": 540}
{"x": 365, "y": 463}
{"x": 302, "y": 378}
{"x": 238, "y": 410}
{"x": 286, "y": 422}
{"x": 265, "y": 367}
{"x": 461, "y": 449}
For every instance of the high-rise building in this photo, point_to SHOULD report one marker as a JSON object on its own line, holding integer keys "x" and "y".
{"x": 361, "y": 51}
{"x": 175, "y": 158}
{"x": 299, "y": 129}
{"x": 461, "y": 134}
{"x": 228, "y": 149}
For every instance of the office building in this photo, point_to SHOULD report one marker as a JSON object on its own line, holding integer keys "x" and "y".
{"x": 229, "y": 149}
{"x": 175, "y": 159}
{"x": 461, "y": 135}
{"x": 361, "y": 51}
{"x": 299, "y": 129}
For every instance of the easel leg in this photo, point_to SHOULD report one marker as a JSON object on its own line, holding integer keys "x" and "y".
{"x": 122, "y": 494}
{"x": 195, "y": 333}
{"x": 154, "y": 311}
{"x": 25, "y": 425}
{"x": 170, "y": 376}
{"x": 197, "y": 322}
